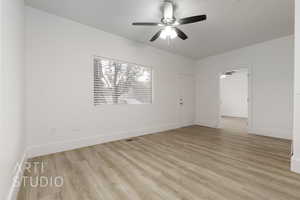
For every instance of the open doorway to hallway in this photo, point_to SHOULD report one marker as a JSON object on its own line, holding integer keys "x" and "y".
{"x": 234, "y": 90}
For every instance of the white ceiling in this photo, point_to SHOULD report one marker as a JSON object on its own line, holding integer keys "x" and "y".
{"x": 231, "y": 24}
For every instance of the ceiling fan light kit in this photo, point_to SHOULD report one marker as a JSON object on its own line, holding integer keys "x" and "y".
{"x": 170, "y": 23}
{"x": 168, "y": 32}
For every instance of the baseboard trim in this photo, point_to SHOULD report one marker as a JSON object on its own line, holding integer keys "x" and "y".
{"x": 13, "y": 192}
{"x": 295, "y": 164}
{"x": 239, "y": 117}
{"x": 50, "y": 148}
{"x": 272, "y": 133}
{"x": 206, "y": 125}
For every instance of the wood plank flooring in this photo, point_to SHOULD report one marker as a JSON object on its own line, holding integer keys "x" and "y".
{"x": 234, "y": 123}
{"x": 191, "y": 163}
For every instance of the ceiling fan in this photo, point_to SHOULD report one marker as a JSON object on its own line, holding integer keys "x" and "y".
{"x": 170, "y": 23}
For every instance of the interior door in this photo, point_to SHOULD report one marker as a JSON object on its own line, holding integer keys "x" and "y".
{"x": 186, "y": 100}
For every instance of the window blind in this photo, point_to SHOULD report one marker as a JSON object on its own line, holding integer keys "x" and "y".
{"x": 118, "y": 82}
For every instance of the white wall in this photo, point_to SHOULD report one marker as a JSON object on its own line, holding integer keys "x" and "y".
{"x": 271, "y": 78}
{"x": 234, "y": 94}
{"x": 12, "y": 139}
{"x": 60, "y": 110}
{"x": 296, "y": 135}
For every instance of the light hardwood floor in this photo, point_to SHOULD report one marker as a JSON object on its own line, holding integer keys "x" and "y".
{"x": 183, "y": 164}
{"x": 233, "y": 123}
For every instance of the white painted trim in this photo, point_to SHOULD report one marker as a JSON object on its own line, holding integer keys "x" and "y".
{"x": 282, "y": 134}
{"x": 209, "y": 125}
{"x": 295, "y": 164}
{"x": 39, "y": 150}
{"x": 13, "y": 192}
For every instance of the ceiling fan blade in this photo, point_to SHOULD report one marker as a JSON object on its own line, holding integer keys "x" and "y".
{"x": 156, "y": 35}
{"x": 193, "y": 19}
{"x": 180, "y": 33}
{"x": 145, "y": 24}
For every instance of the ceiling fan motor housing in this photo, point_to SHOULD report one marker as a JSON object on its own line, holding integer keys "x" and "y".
{"x": 168, "y": 13}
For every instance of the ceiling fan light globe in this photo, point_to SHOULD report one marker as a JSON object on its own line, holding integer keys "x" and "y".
{"x": 173, "y": 35}
{"x": 163, "y": 35}
{"x": 168, "y": 32}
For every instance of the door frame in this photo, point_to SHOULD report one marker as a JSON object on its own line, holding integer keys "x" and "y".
{"x": 250, "y": 95}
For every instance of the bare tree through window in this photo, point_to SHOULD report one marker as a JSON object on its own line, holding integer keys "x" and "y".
{"x": 117, "y": 82}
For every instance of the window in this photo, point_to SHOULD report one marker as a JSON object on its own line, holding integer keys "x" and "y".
{"x": 118, "y": 82}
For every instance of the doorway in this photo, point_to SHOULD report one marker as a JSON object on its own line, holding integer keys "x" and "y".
{"x": 234, "y": 100}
